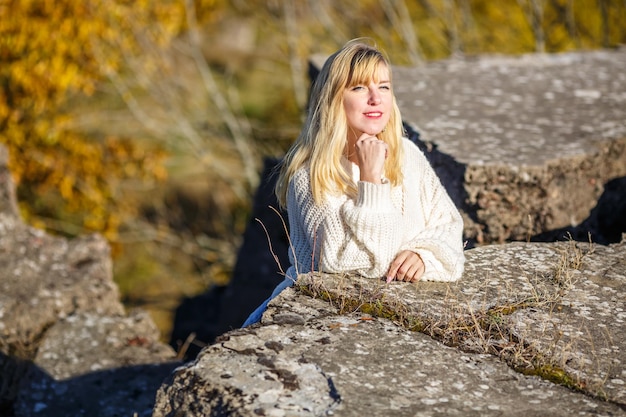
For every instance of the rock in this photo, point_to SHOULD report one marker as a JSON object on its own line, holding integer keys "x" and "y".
{"x": 45, "y": 278}
{"x": 583, "y": 331}
{"x": 539, "y": 306}
{"x": 124, "y": 391}
{"x": 606, "y": 222}
{"x": 67, "y": 347}
{"x": 466, "y": 348}
{"x": 533, "y": 138}
{"x": 95, "y": 365}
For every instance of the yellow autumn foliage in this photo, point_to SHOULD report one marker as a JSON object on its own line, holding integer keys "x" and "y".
{"x": 46, "y": 59}
{"x": 52, "y": 51}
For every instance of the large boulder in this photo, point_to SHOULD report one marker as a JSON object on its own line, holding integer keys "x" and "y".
{"x": 67, "y": 346}
{"x": 532, "y": 329}
{"x": 96, "y": 365}
{"x": 525, "y": 144}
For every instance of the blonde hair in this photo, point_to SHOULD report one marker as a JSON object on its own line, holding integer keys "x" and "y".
{"x": 323, "y": 137}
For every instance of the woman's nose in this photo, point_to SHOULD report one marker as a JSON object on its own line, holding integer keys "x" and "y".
{"x": 374, "y": 97}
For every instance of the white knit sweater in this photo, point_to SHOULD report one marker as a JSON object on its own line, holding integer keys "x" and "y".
{"x": 365, "y": 234}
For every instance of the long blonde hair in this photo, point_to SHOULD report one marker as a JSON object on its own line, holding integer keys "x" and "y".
{"x": 323, "y": 137}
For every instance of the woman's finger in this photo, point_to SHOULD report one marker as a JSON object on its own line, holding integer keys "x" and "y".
{"x": 407, "y": 266}
{"x": 396, "y": 270}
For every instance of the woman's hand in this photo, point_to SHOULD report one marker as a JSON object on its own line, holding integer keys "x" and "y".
{"x": 408, "y": 266}
{"x": 371, "y": 153}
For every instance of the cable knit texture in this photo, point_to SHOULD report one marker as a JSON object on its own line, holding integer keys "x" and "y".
{"x": 366, "y": 233}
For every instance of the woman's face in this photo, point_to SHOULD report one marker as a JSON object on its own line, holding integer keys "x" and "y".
{"x": 368, "y": 106}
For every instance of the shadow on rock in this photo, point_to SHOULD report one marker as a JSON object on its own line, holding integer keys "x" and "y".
{"x": 606, "y": 222}
{"x": 123, "y": 391}
{"x": 452, "y": 174}
{"x": 12, "y": 369}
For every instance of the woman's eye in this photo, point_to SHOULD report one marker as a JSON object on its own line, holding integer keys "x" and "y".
{"x": 385, "y": 87}
{"x": 357, "y": 88}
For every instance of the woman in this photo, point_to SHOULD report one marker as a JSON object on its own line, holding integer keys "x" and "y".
{"x": 360, "y": 197}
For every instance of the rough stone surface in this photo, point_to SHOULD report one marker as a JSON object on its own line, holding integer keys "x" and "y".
{"x": 67, "y": 347}
{"x": 46, "y": 278}
{"x": 95, "y": 365}
{"x": 472, "y": 345}
{"x": 125, "y": 391}
{"x": 518, "y": 111}
{"x": 584, "y": 331}
{"x": 561, "y": 304}
{"x": 536, "y": 137}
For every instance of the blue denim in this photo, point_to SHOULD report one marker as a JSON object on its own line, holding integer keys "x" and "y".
{"x": 256, "y": 315}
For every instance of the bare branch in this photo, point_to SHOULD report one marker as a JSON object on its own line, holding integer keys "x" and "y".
{"x": 291, "y": 26}
{"x": 319, "y": 9}
{"x": 533, "y": 9}
{"x": 400, "y": 18}
{"x": 453, "y": 31}
{"x": 240, "y": 139}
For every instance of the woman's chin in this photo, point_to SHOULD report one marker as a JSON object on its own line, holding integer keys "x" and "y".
{"x": 374, "y": 131}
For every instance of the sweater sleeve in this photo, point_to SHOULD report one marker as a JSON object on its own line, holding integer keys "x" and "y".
{"x": 440, "y": 241}
{"x": 349, "y": 235}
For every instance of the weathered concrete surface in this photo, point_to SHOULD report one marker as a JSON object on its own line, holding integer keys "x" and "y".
{"x": 67, "y": 347}
{"x": 45, "y": 278}
{"x": 95, "y": 365}
{"x": 585, "y": 331}
{"x": 526, "y": 110}
{"x": 535, "y": 137}
{"x": 314, "y": 357}
{"x": 537, "y": 305}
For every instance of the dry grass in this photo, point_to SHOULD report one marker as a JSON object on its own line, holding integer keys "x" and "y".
{"x": 482, "y": 329}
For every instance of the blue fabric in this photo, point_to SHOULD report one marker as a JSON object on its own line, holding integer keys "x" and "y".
{"x": 256, "y": 315}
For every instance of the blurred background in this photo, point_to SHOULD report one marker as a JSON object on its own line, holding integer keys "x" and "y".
{"x": 148, "y": 120}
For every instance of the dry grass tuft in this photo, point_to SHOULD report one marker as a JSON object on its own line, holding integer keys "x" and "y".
{"x": 481, "y": 329}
